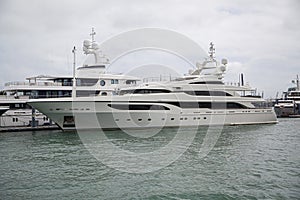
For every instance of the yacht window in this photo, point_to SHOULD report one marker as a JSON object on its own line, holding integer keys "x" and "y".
{"x": 53, "y": 93}
{"x": 130, "y": 82}
{"x": 122, "y": 92}
{"x": 86, "y": 93}
{"x": 114, "y": 81}
{"x": 102, "y": 82}
{"x": 66, "y": 94}
{"x": 146, "y": 91}
{"x": 206, "y": 82}
{"x": 294, "y": 94}
{"x": 214, "y": 105}
{"x": 104, "y": 93}
{"x": 86, "y": 81}
{"x": 69, "y": 121}
{"x": 137, "y": 107}
{"x": 66, "y": 82}
{"x": 208, "y": 93}
{"x": 60, "y": 93}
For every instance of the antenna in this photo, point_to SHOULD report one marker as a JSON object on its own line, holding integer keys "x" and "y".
{"x": 93, "y": 33}
{"x": 212, "y": 51}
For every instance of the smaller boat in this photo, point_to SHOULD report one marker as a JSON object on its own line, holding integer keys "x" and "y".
{"x": 289, "y": 105}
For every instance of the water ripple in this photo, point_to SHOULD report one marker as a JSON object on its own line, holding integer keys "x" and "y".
{"x": 248, "y": 162}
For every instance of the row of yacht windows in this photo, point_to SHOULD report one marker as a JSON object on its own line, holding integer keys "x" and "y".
{"x": 197, "y": 93}
{"x": 138, "y": 107}
{"x": 206, "y": 82}
{"x": 208, "y": 93}
{"x": 35, "y": 94}
{"x": 88, "y": 81}
{"x": 92, "y": 82}
{"x": 210, "y": 105}
{"x": 172, "y": 119}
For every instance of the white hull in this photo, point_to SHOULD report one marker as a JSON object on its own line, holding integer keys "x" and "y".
{"x": 93, "y": 115}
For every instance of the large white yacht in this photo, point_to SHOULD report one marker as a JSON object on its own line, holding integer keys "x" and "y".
{"x": 91, "y": 80}
{"x": 289, "y": 104}
{"x": 199, "y": 98}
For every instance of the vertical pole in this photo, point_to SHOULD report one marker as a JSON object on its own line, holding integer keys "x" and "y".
{"x": 33, "y": 124}
{"x": 74, "y": 79}
{"x": 298, "y": 84}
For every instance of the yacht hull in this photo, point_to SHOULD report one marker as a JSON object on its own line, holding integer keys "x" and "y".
{"x": 99, "y": 114}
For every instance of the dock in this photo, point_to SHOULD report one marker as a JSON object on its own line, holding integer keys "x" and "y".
{"x": 28, "y": 128}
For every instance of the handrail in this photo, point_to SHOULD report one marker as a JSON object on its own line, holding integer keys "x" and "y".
{"x": 20, "y": 83}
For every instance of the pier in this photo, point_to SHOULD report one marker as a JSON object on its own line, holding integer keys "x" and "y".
{"x": 28, "y": 128}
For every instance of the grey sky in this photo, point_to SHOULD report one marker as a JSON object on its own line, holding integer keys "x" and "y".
{"x": 259, "y": 38}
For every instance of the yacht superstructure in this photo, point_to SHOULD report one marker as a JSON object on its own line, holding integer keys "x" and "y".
{"x": 289, "y": 105}
{"x": 198, "y": 98}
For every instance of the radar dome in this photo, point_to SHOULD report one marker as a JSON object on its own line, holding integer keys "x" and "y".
{"x": 224, "y": 61}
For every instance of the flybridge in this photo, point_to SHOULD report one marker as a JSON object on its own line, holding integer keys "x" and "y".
{"x": 90, "y": 47}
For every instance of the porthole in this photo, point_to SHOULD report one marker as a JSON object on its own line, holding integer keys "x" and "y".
{"x": 102, "y": 82}
{"x": 172, "y": 118}
{"x": 149, "y": 119}
{"x": 140, "y": 119}
{"x": 204, "y": 117}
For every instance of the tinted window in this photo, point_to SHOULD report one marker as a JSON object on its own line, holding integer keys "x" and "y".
{"x": 137, "y": 107}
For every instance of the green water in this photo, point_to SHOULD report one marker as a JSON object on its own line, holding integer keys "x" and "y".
{"x": 247, "y": 162}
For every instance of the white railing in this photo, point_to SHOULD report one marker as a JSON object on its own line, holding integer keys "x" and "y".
{"x": 5, "y": 97}
{"x": 19, "y": 83}
{"x": 159, "y": 79}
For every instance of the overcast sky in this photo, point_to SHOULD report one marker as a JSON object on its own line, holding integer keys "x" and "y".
{"x": 259, "y": 38}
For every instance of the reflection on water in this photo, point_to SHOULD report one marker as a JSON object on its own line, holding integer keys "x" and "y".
{"x": 247, "y": 162}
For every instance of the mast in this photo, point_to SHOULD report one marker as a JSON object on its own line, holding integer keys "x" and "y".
{"x": 92, "y": 34}
{"x": 297, "y": 82}
{"x": 74, "y": 79}
{"x": 212, "y": 51}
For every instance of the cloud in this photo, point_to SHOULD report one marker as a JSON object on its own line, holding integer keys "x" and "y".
{"x": 37, "y": 37}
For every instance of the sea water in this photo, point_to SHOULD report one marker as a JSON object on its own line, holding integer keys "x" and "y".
{"x": 241, "y": 162}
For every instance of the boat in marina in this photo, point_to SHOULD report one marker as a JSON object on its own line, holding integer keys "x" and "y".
{"x": 289, "y": 104}
{"x": 91, "y": 80}
{"x": 199, "y": 98}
